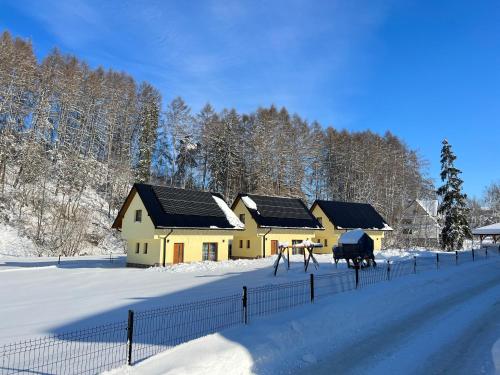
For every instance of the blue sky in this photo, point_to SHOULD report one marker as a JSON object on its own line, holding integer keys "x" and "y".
{"x": 425, "y": 70}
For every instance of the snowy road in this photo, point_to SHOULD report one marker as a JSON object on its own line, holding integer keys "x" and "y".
{"x": 437, "y": 322}
{"x": 453, "y": 334}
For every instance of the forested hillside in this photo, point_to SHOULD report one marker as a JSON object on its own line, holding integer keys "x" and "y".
{"x": 69, "y": 132}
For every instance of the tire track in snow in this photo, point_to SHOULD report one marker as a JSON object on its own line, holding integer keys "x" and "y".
{"x": 363, "y": 354}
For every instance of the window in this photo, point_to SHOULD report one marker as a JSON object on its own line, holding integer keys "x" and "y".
{"x": 320, "y": 219}
{"x": 137, "y": 247}
{"x": 297, "y": 251}
{"x": 145, "y": 248}
{"x": 209, "y": 251}
{"x": 326, "y": 242}
{"x": 241, "y": 244}
{"x": 242, "y": 218}
{"x": 138, "y": 216}
{"x": 248, "y": 244}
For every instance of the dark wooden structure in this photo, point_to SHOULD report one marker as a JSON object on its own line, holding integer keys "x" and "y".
{"x": 355, "y": 246}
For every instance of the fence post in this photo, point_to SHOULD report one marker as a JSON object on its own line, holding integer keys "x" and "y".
{"x": 356, "y": 268}
{"x": 312, "y": 287}
{"x": 388, "y": 269}
{"x": 486, "y": 252}
{"x": 456, "y": 257}
{"x": 130, "y": 335}
{"x": 414, "y": 264}
{"x": 473, "y": 255}
{"x": 59, "y": 259}
{"x": 437, "y": 261}
{"x": 245, "y": 300}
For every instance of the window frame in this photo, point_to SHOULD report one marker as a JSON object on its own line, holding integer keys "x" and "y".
{"x": 138, "y": 216}
{"x": 137, "y": 247}
{"x": 145, "y": 248}
{"x": 242, "y": 218}
{"x": 206, "y": 255}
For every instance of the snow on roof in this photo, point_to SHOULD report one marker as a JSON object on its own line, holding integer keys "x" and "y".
{"x": 230, "y": 215}
{"x": 249, "y": 202}
{"x": 387, "y": 227}
{"x": 430, "y": 206}
{"x": 493, "y": 229}
{"x": 351, "y": 237}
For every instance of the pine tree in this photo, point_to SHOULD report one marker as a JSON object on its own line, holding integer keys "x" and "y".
{"x": 453, "y": 202}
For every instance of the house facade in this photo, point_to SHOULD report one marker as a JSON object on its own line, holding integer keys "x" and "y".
{"x": 420, "y": 225}
{"x": 164, "y": 225}
{"x": 339, "y": 217}
{"x": 269, "y": 221}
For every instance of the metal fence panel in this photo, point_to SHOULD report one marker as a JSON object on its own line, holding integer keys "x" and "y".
{"x": 159, "y": 329}
{"x": 271, "y": 299}
{"x": 328, "y": 284}
{"x": 87, "y": 351}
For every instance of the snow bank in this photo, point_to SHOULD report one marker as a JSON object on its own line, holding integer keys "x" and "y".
{"x": 230, "y": 215}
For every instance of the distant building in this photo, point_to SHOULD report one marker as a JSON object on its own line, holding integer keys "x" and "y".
{"x": 165, "y": 225}
{"x": 420, "y": 225}
{"x": 339, "y": 217}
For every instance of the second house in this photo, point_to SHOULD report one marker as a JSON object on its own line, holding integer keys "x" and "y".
{"x": 269, "y": 221}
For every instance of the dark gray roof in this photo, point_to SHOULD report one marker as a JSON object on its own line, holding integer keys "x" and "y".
{"x": 349, "y": 215}
{"x": 170, "y": 207}
{"x": 280, "y": 212}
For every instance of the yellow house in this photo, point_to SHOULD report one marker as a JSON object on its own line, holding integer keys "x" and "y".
{"x": 165, "y": 225}
{"x": 339, "y": 217}
{"x": 269, "y": 221}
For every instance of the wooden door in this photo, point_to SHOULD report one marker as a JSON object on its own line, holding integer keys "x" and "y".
{"x": 178, "y": 253}
{"x": 274, "y": 247}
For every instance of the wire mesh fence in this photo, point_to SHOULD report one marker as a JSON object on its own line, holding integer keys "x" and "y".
{"x": 157, "y": 330}
{"x": 373, "y": 275}
{"x": 86, "y": 351}
{"x": 274, "y": 298}
{"x": 402, "y": 268}
{"x": 328, "y": 284}
{"x": 147, "y": 333}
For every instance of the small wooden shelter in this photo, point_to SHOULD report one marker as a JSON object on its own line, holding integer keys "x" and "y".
{"x": 492, "y": 231}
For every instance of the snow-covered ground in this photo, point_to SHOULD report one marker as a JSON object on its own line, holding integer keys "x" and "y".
{"x": 437, "y": 322}
{"x": 40, "y": 296}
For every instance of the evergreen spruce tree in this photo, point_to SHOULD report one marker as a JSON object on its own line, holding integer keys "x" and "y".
{"x": 453, "y": 205}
